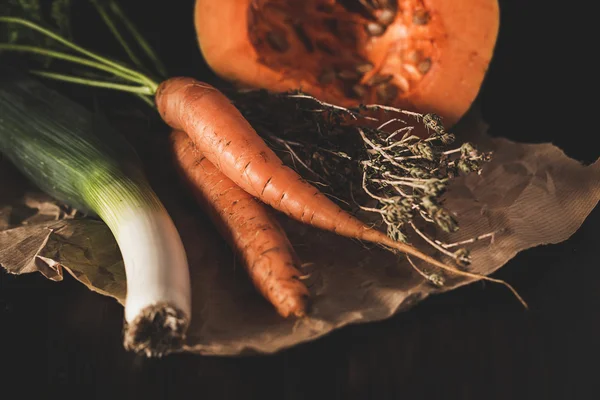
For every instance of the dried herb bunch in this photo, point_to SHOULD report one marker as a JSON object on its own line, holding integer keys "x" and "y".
{"x": 400, "y": 174}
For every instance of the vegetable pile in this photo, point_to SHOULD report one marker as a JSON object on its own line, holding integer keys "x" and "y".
{"x": 230, "y": 169}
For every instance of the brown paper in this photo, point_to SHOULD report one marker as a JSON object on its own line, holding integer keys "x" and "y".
{"x": 529, "y": 195}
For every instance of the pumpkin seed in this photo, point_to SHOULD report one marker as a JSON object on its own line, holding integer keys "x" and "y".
{"x": 424, "y": 65}
{"x": 348, "y": 75}
{"x": 374, "y": 29}
{"x": 386, "y": 17}
{"x": 277, "y": 41}
{"x": 364, "y": 67}
{"x": 303, "y": 37}
{"x": 359, "y": 90}
{"x": 380, "y": 79}
{"x": 420, "y": 17}
{"x": 386, "y": 93}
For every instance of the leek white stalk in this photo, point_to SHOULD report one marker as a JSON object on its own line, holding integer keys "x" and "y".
{"x": 78, "y": 158}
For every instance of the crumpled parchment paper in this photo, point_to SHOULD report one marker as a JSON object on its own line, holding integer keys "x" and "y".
{"x": 530, "y": 194}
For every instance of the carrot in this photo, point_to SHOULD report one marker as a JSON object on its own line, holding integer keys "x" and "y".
{"x": 247, "y": 226}
{"x": 229, "y": 142}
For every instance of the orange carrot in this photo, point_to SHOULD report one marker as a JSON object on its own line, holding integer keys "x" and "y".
{"x": 229, "y": 142}
{"x": 248, "y": 227}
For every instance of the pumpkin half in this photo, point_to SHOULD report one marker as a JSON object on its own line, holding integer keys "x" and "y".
{"x": 420, "y": 55}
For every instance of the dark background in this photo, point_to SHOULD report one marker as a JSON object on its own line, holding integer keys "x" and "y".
{"x": 473, "y": 343}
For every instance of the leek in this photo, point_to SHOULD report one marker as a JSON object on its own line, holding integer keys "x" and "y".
{"x": 78, "y": 158}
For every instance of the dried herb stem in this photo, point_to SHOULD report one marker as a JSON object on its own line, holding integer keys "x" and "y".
{"x": 437, "y": 279}
{"x": 436, "y": 246}
{"x": 490, "y": 235}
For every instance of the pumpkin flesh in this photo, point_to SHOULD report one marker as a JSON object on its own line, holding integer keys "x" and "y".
{"x": 420, "y": 55}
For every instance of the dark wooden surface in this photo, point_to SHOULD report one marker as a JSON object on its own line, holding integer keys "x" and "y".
{"x": 474, "y": 343}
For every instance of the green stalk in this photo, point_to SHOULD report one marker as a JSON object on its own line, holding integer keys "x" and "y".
{"x": 150, "y": 53}
{"x": 144, "y": 90}
{"x": 153, "y": 86}
{"x": 70, "y": 58}
{"x": 111, "y": 26}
